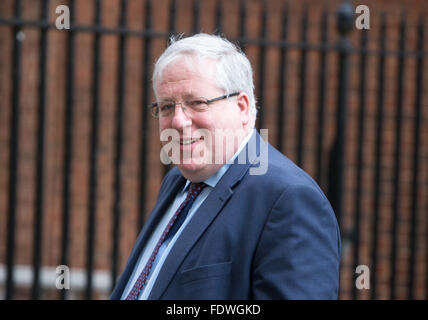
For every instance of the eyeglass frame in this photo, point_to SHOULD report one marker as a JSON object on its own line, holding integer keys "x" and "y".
{"x": 154, "y": 105}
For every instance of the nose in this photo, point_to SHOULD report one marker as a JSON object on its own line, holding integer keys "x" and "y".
{"x": 179, "y": 118}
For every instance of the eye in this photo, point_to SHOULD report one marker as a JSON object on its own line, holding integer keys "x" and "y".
{"x": 198, "y": 104}
{"x": 166, "y": 106}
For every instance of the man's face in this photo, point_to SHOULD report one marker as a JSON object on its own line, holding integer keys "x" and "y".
{"x": 200, "y": 155}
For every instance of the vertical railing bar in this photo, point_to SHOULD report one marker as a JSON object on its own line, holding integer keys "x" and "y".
{"x": 39, "y": 191}
{"x": 172, "y": 18}
{"x": 118, "y": 160}
{"x": 302, "y": 90}
{"x": 378, "y": 155}
{"x": 360, "y": 156}
{"x": 397, "y": 159}
{"x": 68, "y": 143}
{"x": 337, "y": 183}
{"x": 282, "y": 91}
{"x": 337, "y": 177}
{"x": 261, "y": 79}
{"x": 321, "y": 97}
{"x": 93, "y": 155}
{"x": 196, "y": 21}
{"x": 416, "y": 165}
{"x": 14, "y": 155}
{"x": 219, "y": 17}
{"x": 242, "y": 24}
{"x": 172, "y": 30}
{"x": 145, "y": 116}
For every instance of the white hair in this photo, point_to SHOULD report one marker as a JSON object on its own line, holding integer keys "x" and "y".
{"x": 233, "y": 69}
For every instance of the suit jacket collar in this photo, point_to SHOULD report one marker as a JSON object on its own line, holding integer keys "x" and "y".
{"x": 171, "y": 189}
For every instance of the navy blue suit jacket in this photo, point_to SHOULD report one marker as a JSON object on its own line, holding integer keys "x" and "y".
{"x": 271, "y": 236}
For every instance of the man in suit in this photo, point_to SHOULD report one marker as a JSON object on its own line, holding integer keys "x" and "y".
{"x": 234, "y": 219}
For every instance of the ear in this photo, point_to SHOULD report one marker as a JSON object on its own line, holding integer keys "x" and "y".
{"x": 244, "y": 107}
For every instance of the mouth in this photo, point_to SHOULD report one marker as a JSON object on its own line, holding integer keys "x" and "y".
{"x": 184, "y": 142}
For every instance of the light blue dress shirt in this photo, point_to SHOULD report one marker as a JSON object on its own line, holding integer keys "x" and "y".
{"x": 165, "y": 248}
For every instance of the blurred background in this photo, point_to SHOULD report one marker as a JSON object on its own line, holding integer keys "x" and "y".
{"x": 79, "y": 151}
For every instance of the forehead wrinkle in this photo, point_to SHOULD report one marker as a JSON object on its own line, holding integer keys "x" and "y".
{"x": 188, "y": 69}
{"x": 170, "y": 92}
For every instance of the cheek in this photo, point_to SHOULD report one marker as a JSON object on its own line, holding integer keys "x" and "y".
{"x": 164, "y": 127}
{"x": 227, "y": 120}
{"x": 164, "y": 124}
{"x": 206, "y": 121}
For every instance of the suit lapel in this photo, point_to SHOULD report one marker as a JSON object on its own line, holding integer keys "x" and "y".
{"x": 160, "y": 208}
{"x": 197, "y": 226}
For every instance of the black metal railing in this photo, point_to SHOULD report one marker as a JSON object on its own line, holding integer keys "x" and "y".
{"x": 329, "y": 162}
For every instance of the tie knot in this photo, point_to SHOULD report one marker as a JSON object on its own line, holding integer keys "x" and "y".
{"x": 195, "y": 189}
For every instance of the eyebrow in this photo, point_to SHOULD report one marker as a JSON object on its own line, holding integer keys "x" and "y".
{"x": 186, "y": 96}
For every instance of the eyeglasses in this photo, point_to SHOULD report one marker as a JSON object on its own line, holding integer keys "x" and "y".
{"x": 165, "y": 108}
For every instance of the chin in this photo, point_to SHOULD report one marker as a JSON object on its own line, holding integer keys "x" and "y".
{"x": 197, "y": 172}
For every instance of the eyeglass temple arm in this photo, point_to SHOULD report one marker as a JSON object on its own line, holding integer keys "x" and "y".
{"x": 223, "y": 97}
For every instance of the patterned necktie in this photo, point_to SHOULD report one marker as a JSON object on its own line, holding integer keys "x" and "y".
{"x": 172, "y": 227}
